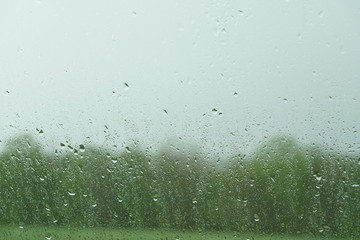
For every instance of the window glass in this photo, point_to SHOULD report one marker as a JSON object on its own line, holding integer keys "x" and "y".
{"x": 179, "y": 119}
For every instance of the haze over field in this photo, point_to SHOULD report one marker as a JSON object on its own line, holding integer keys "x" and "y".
{"x": 221, "y": 74}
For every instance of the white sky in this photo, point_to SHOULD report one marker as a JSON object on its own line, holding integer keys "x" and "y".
{"x": 267, "y": 66}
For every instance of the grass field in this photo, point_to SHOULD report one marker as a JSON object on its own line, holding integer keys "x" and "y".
{"x": 54, "y": 233}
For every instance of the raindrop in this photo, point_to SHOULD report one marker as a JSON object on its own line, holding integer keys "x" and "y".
{"x": 256, "y": 218}
{"x": 127, "y": 149}
{"x": 236, "y": 94}
{"x": 321, "y": 14}
{"x": 7, "y": 93}
{"x": 126, "y": 86}
{"x": 82, "y": 148}
{"x": 48, "y": 236}
{"x": 71, "y": 194}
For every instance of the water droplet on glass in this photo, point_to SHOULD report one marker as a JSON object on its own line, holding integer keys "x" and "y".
{"x": 82, "y": 148}
{"x": 127, "y": 149}
{"x": 48, "y": 236}
{"x": 40, "y": 131}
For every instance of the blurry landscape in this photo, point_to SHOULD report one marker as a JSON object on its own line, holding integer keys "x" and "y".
{"x": 282, "y": 187}
{"x": 179, "y": 120}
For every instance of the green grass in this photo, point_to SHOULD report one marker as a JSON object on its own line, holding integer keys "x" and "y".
{"x": 108, "y": 233}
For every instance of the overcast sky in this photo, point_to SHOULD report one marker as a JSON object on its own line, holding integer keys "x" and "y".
{"x": 220, "y": 74}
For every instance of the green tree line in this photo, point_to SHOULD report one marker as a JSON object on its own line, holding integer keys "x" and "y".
{"x": 283, "y": 187}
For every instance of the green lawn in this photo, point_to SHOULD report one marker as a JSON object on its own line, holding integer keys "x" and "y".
{"x": 54, "y": 233}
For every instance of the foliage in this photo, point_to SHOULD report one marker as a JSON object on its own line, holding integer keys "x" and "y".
{"x": 283, "y": 187}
